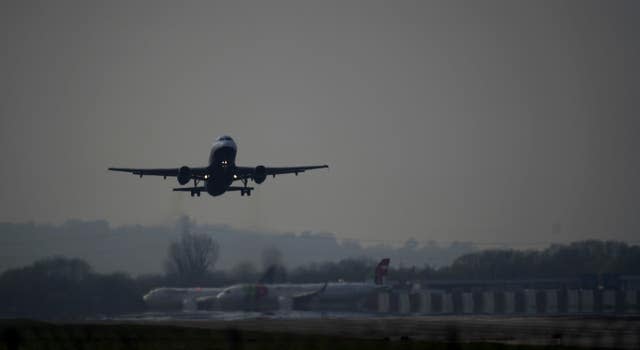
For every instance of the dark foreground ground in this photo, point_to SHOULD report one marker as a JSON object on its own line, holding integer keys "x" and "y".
{"x": 453, "y": 332}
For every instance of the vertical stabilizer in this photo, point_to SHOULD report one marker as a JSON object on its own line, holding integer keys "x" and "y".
{"x": 381, "y": 271}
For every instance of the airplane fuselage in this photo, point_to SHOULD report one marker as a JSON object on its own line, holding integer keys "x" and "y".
{"x": 222, "y": 163}
{"x": 176, "y": 298}
{"x": 261, "y": 296}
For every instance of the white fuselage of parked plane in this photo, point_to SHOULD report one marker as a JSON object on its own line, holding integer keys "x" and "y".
{"x": 167, "y": 298}
{"x": 243, "y": 296}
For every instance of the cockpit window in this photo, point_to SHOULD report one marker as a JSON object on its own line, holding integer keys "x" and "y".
{"x": 225, "y": 138}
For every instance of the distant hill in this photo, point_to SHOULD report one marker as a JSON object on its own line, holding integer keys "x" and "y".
{"x": 142, "y": 249}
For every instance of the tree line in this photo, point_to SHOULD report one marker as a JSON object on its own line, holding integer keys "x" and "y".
{"x": 109, "y": 248}
{"x": 61, "y": 287}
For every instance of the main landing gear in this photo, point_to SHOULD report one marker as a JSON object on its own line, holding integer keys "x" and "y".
{"x": 246, "y": 190}
{"x": 195, "y": 192}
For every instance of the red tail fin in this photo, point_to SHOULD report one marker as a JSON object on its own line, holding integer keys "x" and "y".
{"x": 381, "y": 271}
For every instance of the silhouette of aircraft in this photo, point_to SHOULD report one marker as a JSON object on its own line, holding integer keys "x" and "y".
{"x": 221, "y": 172}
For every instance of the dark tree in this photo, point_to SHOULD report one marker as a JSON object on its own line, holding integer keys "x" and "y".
{"x": 190, "y": 258}
{"x": 65, "y": 288}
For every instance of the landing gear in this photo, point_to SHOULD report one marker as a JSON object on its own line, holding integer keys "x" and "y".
{"x": 195, "y": 192}
{"x": 246, "y": 190}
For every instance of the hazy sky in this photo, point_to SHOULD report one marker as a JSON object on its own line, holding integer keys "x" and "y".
{"x": 506, "y": 121}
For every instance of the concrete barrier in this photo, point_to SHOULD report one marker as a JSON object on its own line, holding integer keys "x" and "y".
{"x": 447, "y": 303}
{"x": 530, "y": 301}
{"x": 586, "y": 301}
{"x": 467, "y": 303}
{"x": 573, "y": 301}
{"x": 498, "y": 302}
{"x": 437, "y": 300}
{"x": 404, "y": 306}
{"x": 424, "y": 302}
{"x": 609, "y": 301}
{"x": 414, "y": 302}
{"x": 477, "y": 302}
{"x": 551, "y": 301}
{"x": 488, "y": 302}
{"x": 383, "y": 302}
{"x": 631, "y": 301}
{"x": 509, "y": 302}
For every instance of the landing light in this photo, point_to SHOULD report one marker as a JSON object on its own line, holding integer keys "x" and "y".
{"x": 235, "y": 176}
{"x": 206, "y": 177}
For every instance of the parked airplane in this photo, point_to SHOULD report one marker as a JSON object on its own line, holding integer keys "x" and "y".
{"x": 220, "y": 173}
{"x": 262, "y": 296}
{"x": 298, "y": 296}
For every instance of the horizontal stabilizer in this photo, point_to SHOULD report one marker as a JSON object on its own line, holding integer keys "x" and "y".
{"x": 239, "y": 188}
{"x": 191, "y": 189}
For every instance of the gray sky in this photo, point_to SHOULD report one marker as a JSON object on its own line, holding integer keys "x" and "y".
{"x": 482, "y": 121}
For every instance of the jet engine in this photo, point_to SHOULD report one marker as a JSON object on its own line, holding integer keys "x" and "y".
{"x": 184, "y": 175}
{"x": 260, "y": 174}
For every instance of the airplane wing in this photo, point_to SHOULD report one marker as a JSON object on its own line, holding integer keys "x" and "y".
{"x": 164, "y": 172}
{"x": 301, "y": 301}
{"x": 244, "y": 172}
{"x": 206, "y": 303}
{"x": 313, "y": 293}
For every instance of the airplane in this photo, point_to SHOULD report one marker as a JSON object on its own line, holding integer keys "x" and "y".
{"x": 221, "y": 172}
{"x": 264, "y": 297}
